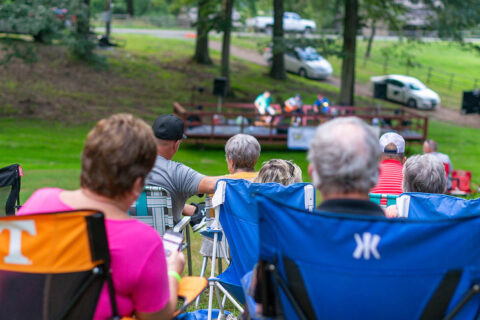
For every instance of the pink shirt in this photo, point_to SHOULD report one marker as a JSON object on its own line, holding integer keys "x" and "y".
{"x": 138, "y": 259}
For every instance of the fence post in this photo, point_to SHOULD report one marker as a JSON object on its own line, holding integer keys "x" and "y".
{"x": 385, "y": 65}
{"x": 451, "y": 81}
{"x": 429, "y": 74}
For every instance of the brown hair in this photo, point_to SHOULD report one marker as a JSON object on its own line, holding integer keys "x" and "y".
{"x": 118, "y": 150}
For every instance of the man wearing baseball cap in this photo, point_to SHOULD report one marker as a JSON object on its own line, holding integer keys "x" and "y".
{"x": 392, "y": 146}
{"x": 180, "y": 181}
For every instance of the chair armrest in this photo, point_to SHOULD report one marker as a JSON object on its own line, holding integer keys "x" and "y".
{"x": 182, "y": 224}
{"x": 188, "y": 290}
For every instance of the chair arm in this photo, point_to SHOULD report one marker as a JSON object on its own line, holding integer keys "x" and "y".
{"x": 188, "y": 290}
{"x": 182, "y": 224}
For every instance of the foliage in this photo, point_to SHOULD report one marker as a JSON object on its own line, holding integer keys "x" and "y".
{"x": 63, "y": 21}
{"x": 452, "y": 17}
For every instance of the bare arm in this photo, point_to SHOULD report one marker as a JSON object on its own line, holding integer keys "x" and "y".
{"x": 207, "y": 184}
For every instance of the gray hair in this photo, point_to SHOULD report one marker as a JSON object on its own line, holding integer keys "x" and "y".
{"x": 243, "y": 150}
{"x": 432, "y": 144}
{"x": 424, "y": 173}
{"x": 280, "y": 171}
{"x": 345, "y": 156}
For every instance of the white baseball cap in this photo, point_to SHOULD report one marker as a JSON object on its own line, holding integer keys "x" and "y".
{"x": 395, "y": 138}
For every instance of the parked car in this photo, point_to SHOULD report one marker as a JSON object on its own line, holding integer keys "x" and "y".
{"x": 306, "y": 62}
{"x": 291, "y": 23}
{"x": 406, "y": 90}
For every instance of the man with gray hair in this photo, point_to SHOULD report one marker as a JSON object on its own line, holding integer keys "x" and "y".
{"x": 430, "y": 146}
{"x": 241, "y": 153}
{"x": 344, "y": 158}
{"x": 392, "y": 146}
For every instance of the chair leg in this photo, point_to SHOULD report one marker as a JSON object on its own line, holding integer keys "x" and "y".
{"x": 212, "y": 274}
{"x": 221, "y": 314}
{"x": 202, "y": 273}
{"x": 189, "y": 252}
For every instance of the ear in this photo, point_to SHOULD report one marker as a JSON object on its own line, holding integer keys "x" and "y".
{"x": 230, "y": 165}
{"x": 176, "y": 145}
{"x": 404, "y": 159}
{"x": 313, "y": 175}
{"x": 137, "y": 187}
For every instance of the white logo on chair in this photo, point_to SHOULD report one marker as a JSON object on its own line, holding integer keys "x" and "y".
{"x": 366, "y": 246}
{"x": 15, "y": 228}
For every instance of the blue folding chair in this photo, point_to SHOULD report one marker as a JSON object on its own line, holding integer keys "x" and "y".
{"x": 416, "y": 205}
{"x": 234, "y": 213}
{"x": 337, "y": 266}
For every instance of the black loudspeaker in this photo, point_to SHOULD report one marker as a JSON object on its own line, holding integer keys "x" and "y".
{"x": 220, "y": 87}
{"x": 471, "y": 102}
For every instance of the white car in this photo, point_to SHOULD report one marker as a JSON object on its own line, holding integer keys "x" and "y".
{"x": 406, "y": 90}
{"x": 305, "y": 62}
{"x": 291, "y": 23}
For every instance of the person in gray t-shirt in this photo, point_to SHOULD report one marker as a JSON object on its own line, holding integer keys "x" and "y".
{"x": 179, "y": 180}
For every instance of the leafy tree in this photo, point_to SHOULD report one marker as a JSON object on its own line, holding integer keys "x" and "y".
{"x": 204, "y": 25}
{"x": 227, "y": 29}
{"x": 278, "y": 62}
{"x": 389, "y": 12}
{"x": 347, "y": 86}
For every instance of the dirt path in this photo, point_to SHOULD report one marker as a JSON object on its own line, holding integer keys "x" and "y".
{"x": 441, "y": 113}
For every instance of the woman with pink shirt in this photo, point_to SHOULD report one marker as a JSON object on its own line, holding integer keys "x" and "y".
{"x": 118, "y": 154}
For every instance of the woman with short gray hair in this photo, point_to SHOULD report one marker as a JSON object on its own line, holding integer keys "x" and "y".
{"x": 424, "y": 173}
{"x": 242, "y": 152}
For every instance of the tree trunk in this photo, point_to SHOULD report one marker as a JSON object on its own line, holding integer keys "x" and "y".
{"x": 228, "y": 8}
{"x": 370, "y": 39}
{"x": 130, "y": 8}
{"x": 278, "y": 63}
{"x": 347, "y": 88}
{"x": 202, "y": 55}
{"x": 83, "y": 21}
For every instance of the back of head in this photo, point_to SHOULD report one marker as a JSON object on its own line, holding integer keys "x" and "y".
{"x": 392, "y": 146}
{"x": 279, "y": 171}
{"x": 430, "y": 145}
{"x": 118, "y": 150}
{"x": 344, "y": 154}
{"x": 424, "y": 173}
{"x": 243, "y": 150}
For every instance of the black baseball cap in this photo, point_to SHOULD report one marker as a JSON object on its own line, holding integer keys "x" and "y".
{"x": 168, "y": 127}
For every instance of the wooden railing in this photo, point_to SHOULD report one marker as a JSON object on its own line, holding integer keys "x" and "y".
{"x": 243, "y": 118}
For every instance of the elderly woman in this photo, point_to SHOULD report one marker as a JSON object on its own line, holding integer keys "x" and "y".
{"x": 118, "y": 154}
{"x": 242, "y": 152}
{"x": 424, "y": 173}
{"x": 280, "y": 171}
{"x": 421, "y": 173}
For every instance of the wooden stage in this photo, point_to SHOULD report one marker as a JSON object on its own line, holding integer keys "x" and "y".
{"x": 209, "y": 126}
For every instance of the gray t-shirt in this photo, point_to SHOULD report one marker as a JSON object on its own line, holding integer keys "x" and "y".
{"x": 178, "y": 179}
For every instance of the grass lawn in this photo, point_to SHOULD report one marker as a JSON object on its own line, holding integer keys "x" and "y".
{"x": 47, "y": 110}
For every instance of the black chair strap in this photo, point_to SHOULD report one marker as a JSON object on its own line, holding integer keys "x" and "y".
{"x": 297, "y": 287}
{"x": 438, "y": 304}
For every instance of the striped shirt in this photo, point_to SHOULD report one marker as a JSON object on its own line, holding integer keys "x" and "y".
{"x": 390, "y": 179}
